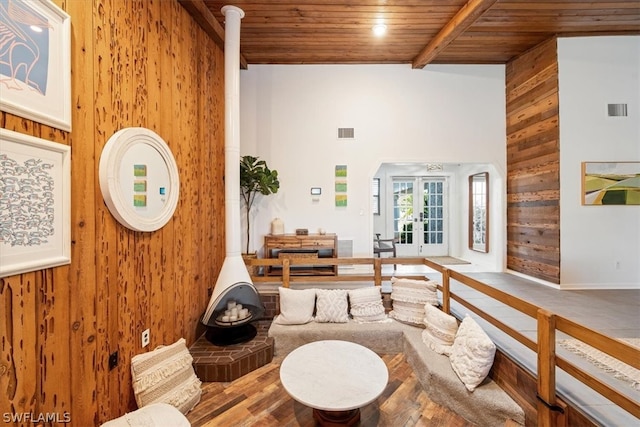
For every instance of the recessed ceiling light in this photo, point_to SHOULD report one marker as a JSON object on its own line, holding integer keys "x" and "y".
{"x": 36, "y": 28}
{"x": 379, "y": 29}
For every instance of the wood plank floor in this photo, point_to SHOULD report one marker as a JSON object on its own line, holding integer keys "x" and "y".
{"x": 258, "y": 399}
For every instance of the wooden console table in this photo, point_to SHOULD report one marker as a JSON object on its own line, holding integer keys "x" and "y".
{"x": 312, "y": 245}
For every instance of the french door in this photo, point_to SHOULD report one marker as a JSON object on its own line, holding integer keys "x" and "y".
{"x": 420, "y": 216}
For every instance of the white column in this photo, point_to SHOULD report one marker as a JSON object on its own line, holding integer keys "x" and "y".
{"x": 232, "y": 15}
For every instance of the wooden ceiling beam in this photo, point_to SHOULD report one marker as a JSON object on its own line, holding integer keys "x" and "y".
{"x": 203, "y": 16}
{"x": 461, "y": 21}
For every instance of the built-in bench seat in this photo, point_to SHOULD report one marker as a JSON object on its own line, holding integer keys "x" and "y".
{"x": 487, "y": 405}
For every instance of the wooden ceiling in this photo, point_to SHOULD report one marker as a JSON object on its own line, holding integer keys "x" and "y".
{"x": 419, "y": 32}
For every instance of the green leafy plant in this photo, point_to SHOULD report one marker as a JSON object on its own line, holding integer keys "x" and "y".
{"x": 255, "y": 178}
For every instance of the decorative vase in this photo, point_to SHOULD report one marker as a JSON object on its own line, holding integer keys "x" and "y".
{"x": 277, "y": 226}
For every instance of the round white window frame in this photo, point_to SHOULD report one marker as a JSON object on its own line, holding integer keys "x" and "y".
{"x": 117, "y": 198}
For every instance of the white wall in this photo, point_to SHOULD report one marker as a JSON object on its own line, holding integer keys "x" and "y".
{"x": 290, "y": 115}
{"x": 594, "y": 72}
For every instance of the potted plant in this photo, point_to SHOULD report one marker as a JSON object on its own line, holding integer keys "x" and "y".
{"x": 255, "y": 178}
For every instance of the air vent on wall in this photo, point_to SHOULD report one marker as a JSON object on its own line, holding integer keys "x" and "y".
{"x": 346, "y": 133}
{"x": 617, "y": 110}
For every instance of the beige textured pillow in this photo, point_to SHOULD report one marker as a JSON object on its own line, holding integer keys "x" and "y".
{"x": 155, "y": 414}
{"x": 166, "y": 375}
{"x": 414, "y": 291}
{"x": 296, "y": 306}
{"x": 440, "y": 330}
{"x": 332, "y": 306}
{"x": 366, "y": 304}
{"x": 472, "y": 353}
{"x": 429, "y": 284}
{"x": 409, "y": 297}
{"x": 408, "y": 312}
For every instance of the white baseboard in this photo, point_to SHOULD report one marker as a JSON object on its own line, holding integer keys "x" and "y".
{"x": 599, "y": 286}
{"x": 578, "y": 286}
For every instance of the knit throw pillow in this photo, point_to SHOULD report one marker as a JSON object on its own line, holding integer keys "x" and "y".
{"x": 472, "y": 353}
{"x": 332, "y": 306}
{"x": 366, "y": 304}
{"x": 166, "y": 375}
{"x": 440, "y": 330}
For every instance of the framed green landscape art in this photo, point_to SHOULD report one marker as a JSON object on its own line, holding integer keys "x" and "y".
{"x": 611, "y": 183}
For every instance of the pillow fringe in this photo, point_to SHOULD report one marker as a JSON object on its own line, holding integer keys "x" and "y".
{"x": 417, "y": 299}
{"x": 148, "y": 379}
{"x": 367, "y": 309}
{"x": 186, "y": 395}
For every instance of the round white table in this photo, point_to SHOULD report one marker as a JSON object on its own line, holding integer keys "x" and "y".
{"x": 335, "y": 378}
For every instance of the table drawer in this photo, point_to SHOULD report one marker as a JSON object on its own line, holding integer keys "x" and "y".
{"x": 321, "y": 243}
{"x": 283, "y": 244}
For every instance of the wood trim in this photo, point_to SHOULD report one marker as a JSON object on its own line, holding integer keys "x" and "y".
{"x": 613, "y": 347}
{"x": 466, "y": 16}
{"x": 203, "y": 16}
{"x": 592, "y": 382}
{"x": 144, "y": 63}
{"x": 546, "y": 367}
{"x": 530, "y": 344}
{"x": 512, "y": 301}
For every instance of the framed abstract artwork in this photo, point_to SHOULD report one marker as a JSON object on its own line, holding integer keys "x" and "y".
{"x": 35, "y": 62}
{"x": 35, "y": 203}
{"x": 341, "y": 186}
{"x": 611, "y": 183}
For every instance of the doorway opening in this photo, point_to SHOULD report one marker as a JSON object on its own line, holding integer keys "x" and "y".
{"x": 419, "y": 208}
{"x": 413, "y": 209}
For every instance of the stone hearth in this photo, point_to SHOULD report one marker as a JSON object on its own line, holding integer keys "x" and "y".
{"x": 227, "y": 363}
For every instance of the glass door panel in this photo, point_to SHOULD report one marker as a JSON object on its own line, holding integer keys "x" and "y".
{"x": 420, "y": 216}
{"x": 403, "y": 211}
{"x": 433, "y": 217}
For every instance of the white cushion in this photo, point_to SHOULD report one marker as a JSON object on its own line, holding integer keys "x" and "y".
{"x": 166, "y": 375}
{"x": 366, "y": 304}
{"x": 440, "y": 329}
{"x": 472, "y": 353}
{"x": 429, "y": 284}
{"x": 156, "y": 414}
{"x": 409, "y": 297}
{"x": 296, "y": 306}
{"x": 332, "y": 306}
{"x": 408, "y": 312}
{"x": 415, "y": 291}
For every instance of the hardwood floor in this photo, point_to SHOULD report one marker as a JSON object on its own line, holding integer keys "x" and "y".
{"x": 258, "y": 399}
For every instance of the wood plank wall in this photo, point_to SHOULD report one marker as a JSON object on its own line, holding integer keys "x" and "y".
{"x": 134, "y": 63}
{"x": 533, "y": 163}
